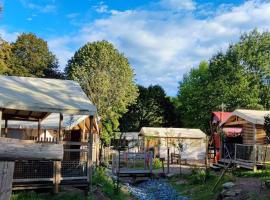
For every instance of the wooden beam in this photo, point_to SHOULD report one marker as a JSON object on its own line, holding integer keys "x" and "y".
{"x": 14, "y": 149}
{"x": 90, "y": 159}
{"x": 44, "y": 116}
{"x": 39, "y": 130}
{"x": 60, "y": 127}
{"x": 235, "y": 123}
{"x": 19, "y": 118}
{"x": 6, "y": 127}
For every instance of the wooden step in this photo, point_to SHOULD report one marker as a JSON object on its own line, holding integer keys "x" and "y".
{"x": 219, "y": 165}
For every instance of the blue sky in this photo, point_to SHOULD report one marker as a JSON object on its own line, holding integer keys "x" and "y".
{"x": 163, "y": 39}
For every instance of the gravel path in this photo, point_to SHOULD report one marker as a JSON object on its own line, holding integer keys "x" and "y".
{"x": 155, "y": 190}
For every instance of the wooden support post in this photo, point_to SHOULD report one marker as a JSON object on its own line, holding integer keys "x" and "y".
{"x": 1, "y": 122}
{"x": 168, "y": 160}
{"x": 45, "y": 135}
{"x": 39, "y": 123}
{"x": 255, "y": 158}
{"x": 60, "y": 135}
{"x": 6, "y": 127}
{"x": 151, "y": 162}
{"x": 254, "y": 148}
{"x": 90, "y": 162}
{"x": 206, "y": 153}
{"x": 57, "y": 164}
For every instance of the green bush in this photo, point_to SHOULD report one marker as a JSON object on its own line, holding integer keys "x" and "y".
{"x": 107, "y": 185}
{"x": 157, "y": 164}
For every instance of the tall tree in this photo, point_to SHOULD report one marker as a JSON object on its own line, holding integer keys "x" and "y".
{"x": 107, "y": 78}
{"x": 152, "y": 108}
{"x": 32, "y": 57}
{"x": 234, "y": 78}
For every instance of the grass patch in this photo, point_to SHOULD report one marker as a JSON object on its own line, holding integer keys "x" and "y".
{"x": 108, "y": 186}
{"x": 42, "y": 196}
{"x": 194, "y": 187}
{"x": 100, "y": 180}
{"x": 264, "y": 174}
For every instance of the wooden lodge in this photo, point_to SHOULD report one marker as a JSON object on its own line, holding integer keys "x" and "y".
{"x": 245, "y": 141}
{"x": 49, "y": 111}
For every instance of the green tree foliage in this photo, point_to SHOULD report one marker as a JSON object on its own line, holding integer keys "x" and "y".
{"x": 233, "y": 78}
{"x": 29, "y": 56}
{"x": 107, "y": 78}
{"x": 152, "y": 109}
{"x": 5, "y": 57}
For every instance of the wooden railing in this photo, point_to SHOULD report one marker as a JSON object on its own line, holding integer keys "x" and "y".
{"x": 131, "y": 160}
{"x": 257, "y": 154}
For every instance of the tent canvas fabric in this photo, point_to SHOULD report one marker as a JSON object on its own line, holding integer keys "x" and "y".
{"x": 253, "y": 116}
{"x": 172, "y": 132}
{"x": 51, "y": 122}
{"x": 44, "y": 95}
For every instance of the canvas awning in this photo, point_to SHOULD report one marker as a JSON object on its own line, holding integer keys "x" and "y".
{"x": 172, "y": 132}
{"x": 25, "y": 98}
{"x": 232, "y": 132}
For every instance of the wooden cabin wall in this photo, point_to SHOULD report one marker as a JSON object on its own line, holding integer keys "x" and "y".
{"x": 248, "y": 133}
{"x": 261, "y": 135}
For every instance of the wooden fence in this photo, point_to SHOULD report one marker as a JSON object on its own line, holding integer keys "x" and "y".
{"x": 249, "y": 153}
{"x": 72, "y": 167}
{"x": 132, "y": 161}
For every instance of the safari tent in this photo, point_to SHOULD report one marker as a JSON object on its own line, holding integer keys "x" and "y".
{"x": 159, "y": 140}
{"x": 245, "y": 139}
{"x": 26, "y": 110}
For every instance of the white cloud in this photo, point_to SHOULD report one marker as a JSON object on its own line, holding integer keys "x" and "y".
{"x": 178, "y": 4}
{"x": 8, "y": 36}
{"x": 163, "y": 45}
{"x": 40, "y": 6}
{"x": 101, "y": 8}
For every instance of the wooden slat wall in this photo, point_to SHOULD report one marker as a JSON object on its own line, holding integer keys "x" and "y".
{"x": 261, "y": 135}
{"x": 248, "y": 133}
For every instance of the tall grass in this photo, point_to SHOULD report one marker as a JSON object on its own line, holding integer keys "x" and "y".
{"x": 36, "y": 196}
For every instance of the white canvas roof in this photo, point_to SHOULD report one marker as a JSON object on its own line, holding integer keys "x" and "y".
{"x": 51, "y": 122}
{"x": 172, "y": 132}
{"x": 44, "y": 95}
{"x": 129, "y": 135}
{"x": 253, "y": 116}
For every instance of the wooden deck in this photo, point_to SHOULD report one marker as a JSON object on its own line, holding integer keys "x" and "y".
{"x": 134, "y": 173}
{"x": 246, "y": 165}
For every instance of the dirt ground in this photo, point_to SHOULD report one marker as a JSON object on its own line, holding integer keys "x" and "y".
{"x": 252, "y": 189}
